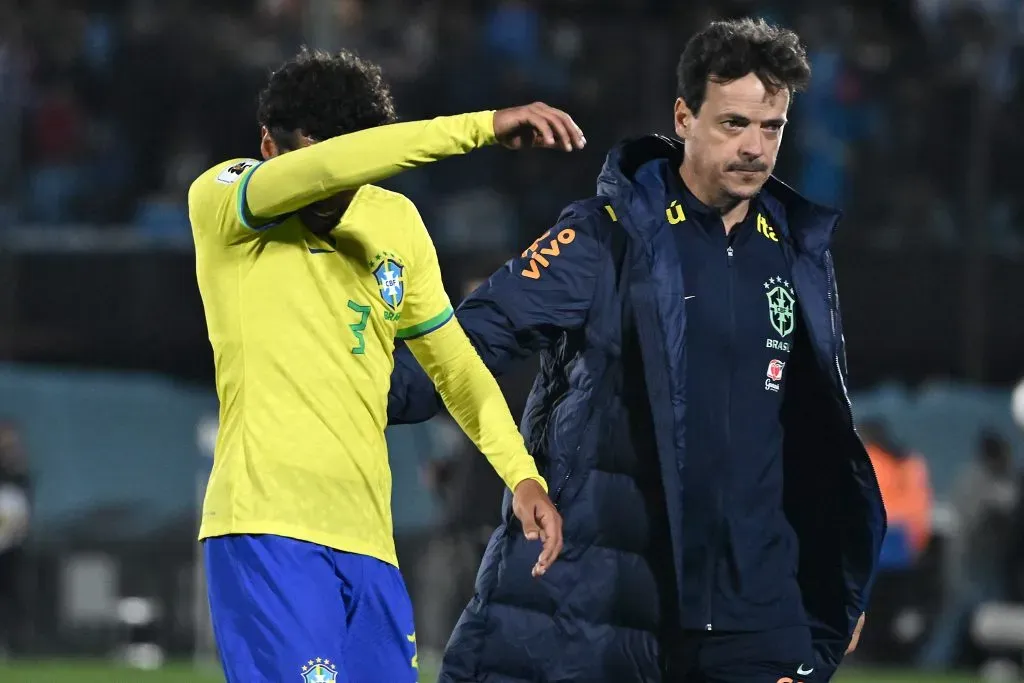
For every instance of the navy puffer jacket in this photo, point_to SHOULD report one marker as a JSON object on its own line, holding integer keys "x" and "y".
{"x": 599, "y": 296}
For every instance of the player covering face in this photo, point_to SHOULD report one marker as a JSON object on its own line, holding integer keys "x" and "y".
{"x": 308, "y": 275}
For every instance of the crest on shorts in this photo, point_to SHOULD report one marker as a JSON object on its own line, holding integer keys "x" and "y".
{"x": 319, "y": 671}
{"x": 781, "y": 305}
{"x": 390, "y": 276}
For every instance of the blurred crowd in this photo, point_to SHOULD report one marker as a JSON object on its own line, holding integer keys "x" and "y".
{"x": 908, "y": 125}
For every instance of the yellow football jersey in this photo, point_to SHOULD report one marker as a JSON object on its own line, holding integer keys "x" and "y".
{"x": 303, "y": 329}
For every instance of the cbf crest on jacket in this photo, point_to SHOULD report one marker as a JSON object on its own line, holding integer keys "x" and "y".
{"x": 600, "y": 295}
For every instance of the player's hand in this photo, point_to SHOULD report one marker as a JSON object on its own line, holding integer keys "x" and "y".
{"x": 537, "y": 125}
{"x": 856, "y": 635}
{"x": 540, "y": 520}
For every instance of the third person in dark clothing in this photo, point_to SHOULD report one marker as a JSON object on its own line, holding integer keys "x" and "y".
{"x": 722, "y": 520}
{"x": 15, "y": 518}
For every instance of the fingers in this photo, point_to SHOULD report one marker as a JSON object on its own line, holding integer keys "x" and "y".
{"x": 573, "y": 136}
{"x": 540, "y": 521}
{"x": 855, "y": 640}
{"x": 538, "y": 125}
{"x": 562, "y": 137}
{"x": 555, "y": 128}
{"x": 550, "y": 523}
{"x": 530, "y": 529}
{"x": 543, "y": 127}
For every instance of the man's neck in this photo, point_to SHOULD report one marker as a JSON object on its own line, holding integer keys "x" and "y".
{"x": 323, "y": 216}
{"x": 732, "y": 212}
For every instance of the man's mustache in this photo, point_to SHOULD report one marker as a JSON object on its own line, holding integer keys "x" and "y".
{"x": 748, "y": 168}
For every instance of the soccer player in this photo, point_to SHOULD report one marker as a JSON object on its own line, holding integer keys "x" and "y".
{"x": 308, "y": 274}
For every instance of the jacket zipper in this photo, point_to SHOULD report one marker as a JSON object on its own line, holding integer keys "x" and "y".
{"x": 561, "y": 485}
{"x": 716, "y": 534}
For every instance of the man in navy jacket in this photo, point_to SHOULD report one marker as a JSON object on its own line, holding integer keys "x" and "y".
{"x": 722, "y": 521}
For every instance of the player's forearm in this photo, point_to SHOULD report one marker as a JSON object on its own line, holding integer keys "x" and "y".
{"x": 474, "y": 400}
{"x": 294, "y": 180}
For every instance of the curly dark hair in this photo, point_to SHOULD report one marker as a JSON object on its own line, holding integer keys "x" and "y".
{"x": 323, "y": 95}
{"x": 728, "y": 50}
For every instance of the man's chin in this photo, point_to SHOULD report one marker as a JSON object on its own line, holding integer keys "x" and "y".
{"x": 741, "y": 192}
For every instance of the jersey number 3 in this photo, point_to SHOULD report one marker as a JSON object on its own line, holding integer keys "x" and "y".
{"x": 357, "y": 328}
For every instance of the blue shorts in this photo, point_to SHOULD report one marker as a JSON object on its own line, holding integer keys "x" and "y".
{"x": 285, "y": 610}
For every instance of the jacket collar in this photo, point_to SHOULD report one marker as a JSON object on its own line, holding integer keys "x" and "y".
{"x": 635, "y": 188}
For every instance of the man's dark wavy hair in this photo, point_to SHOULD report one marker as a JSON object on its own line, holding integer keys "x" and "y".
{"x": 322, "y": 95}
{"x": 728, "y": 50}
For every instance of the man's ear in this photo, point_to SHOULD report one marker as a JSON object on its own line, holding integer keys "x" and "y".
{"x": 268, "y": 148}
{"x": 683, "y": 118}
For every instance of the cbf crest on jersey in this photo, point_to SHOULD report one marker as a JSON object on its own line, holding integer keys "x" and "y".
{"x": 781, "y": 305}
{"x": 319, "y": 671}
{"x": 390, "y": 274}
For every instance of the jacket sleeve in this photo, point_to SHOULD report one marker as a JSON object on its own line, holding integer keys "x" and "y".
{"x": 864, "y": 527}
{"x": 519, "y": 311}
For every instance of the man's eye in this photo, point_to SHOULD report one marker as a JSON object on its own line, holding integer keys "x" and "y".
{"x": 734, "y": 124}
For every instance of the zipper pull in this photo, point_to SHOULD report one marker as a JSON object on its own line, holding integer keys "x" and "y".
{"x": 728, "y": 255}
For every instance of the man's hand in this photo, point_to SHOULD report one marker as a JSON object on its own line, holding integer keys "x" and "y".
{"x": 540, "y": 520}
{"x": 856, "y": 635}
{"x": 537, "y": 125}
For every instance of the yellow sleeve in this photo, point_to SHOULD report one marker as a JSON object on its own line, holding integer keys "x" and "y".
{"x": 213, "y": 202}
{"x": 473, "y": 398}
{"x": 466, "y": 386}
{"x": 426, "y": 306}
{"x": 291, "y": 181}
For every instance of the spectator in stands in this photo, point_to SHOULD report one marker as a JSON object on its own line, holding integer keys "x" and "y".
{"x": 906, "y": 493}
{"x": 89, "y": 91}
{"x": 984, "y": 501}
{"x": 57, "y": 134}
{"x": 14, "y": 525}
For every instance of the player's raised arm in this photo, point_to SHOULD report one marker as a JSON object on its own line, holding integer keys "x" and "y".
{"x": 473, "y": 397}
{"x": 288, "y": 182}
{"x": 371, "y": 147}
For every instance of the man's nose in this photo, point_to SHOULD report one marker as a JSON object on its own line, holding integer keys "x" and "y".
{"x": 751, "y": 144}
